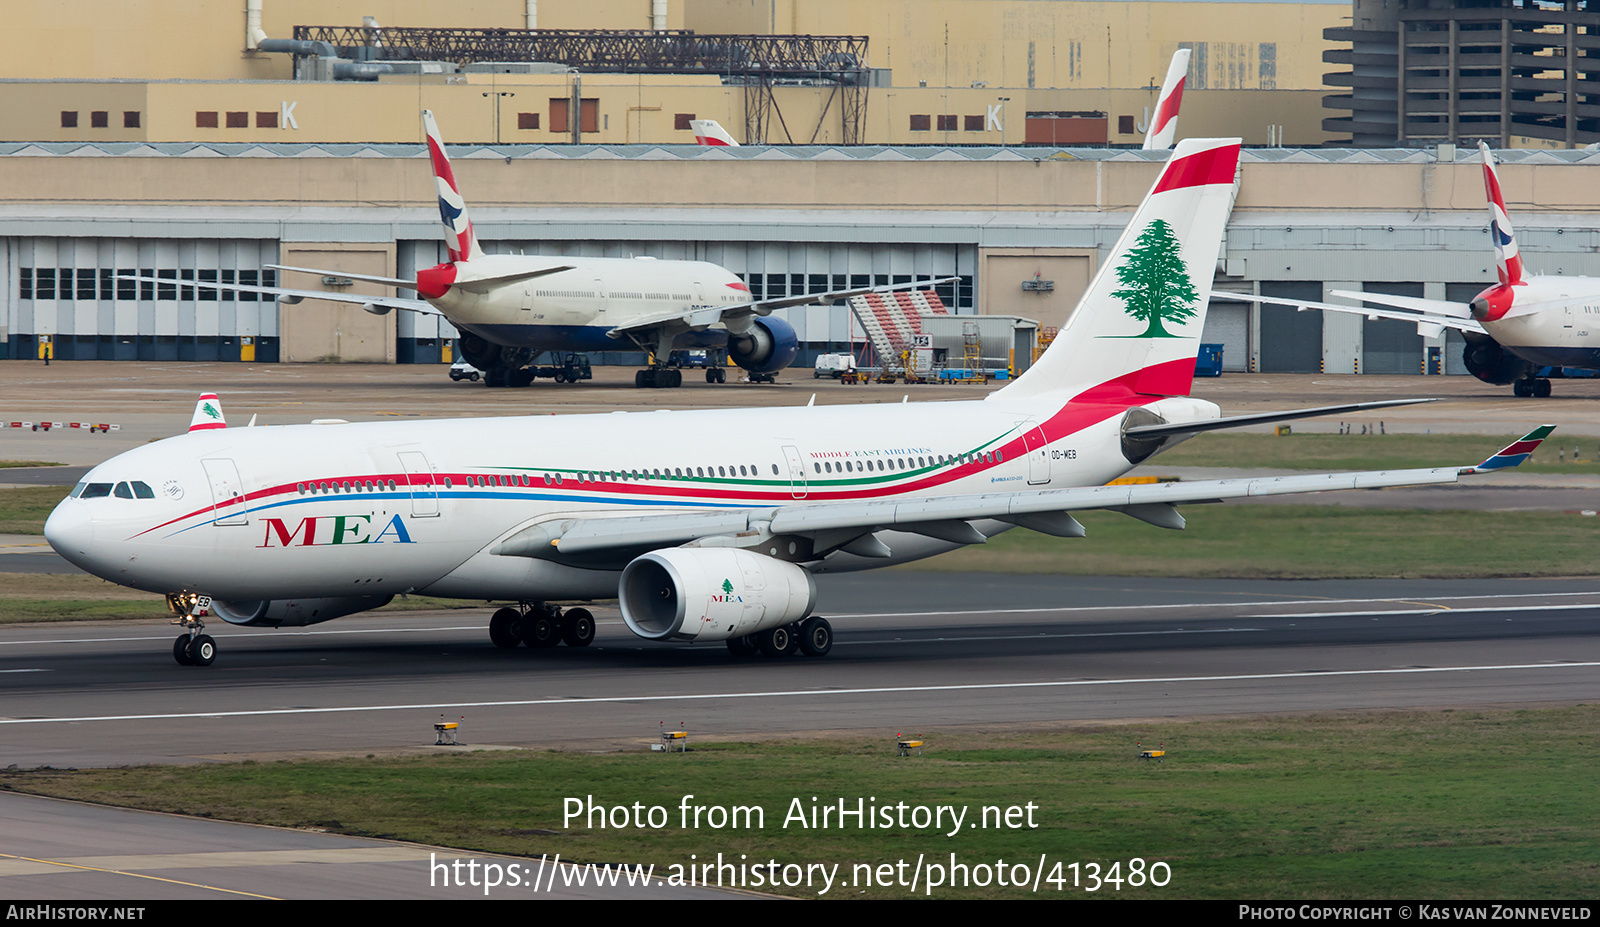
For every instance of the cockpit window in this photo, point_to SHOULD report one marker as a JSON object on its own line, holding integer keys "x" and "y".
{"x": 123, "y": 491}
{"x": 95, "y": 491}
{"x": 142, "y": 490}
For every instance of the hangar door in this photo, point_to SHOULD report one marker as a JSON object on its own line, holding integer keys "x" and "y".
{"x": 1228, "y": 324}
{"x": 1291, "y": 340}
{"x": 1391, "y": 345}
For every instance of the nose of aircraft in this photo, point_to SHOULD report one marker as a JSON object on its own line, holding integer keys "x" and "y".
{"x": 70, "y": 530}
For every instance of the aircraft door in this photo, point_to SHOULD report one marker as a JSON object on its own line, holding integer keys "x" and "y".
{"x": 424, "y": 492}
{"x": 1038, "y": 454}
{"x": 797, "y": 471}
{"x": 227, "y": 492}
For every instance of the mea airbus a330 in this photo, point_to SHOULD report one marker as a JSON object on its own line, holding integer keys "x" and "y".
{"x": 706, "y": 525}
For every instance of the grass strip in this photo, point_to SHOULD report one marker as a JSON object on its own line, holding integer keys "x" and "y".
{"x": 1452, "y": 804}
{"x": 1298, "y": 542}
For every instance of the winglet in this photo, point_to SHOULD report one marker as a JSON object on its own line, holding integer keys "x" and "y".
{"x": 207, "y": 414}
{"x": 1515, "y": 452}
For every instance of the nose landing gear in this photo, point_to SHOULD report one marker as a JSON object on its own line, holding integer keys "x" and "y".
{"x": 192, "y": 648}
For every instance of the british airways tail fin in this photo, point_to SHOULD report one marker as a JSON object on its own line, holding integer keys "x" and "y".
{"x": 1163, "y": 129}
{"x": 1507, "y": 262}
{"x": 460, "y": 240}
{"x": 709, "y": 132}
{"x": 207, "y": 414}
{"x": 1136, "y": 330}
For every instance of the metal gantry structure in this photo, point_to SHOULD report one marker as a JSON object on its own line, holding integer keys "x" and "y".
{"x": 756, "y": 62}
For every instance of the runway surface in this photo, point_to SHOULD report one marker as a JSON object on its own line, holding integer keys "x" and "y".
{"x": 914, "y": 652}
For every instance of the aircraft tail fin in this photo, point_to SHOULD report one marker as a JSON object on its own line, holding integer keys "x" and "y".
{"x": 711, "y": 133}
{"x": 460, "y": 240}
{"x": 207, "y": 414}
{"x": 1136, "y": 331}
{"x": 1163, "y": 129}
{"x": 1507, "y": 261}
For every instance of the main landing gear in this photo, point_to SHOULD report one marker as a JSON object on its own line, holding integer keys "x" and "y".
{"x": 812, "y": 637}
{"x": 192, "y": 648}
{"x": 658, "y": 378}
{"x": 1536, "y": 387}
{"x": 539, "y": 624}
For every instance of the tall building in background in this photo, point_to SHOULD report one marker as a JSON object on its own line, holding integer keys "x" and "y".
{"x": 1513, "y": 73}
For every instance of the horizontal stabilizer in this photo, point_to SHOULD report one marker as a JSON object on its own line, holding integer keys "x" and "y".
{"x": 1412, "y": 303}
{"x": 1262, "y": 418}
{"x": 368, "y": 278}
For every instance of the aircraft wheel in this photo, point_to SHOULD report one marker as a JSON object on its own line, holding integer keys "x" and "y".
{"x": 645, "y": 379}
{"x": 505, "y": 628}
{"x": 674, "y": 377}
{"x": 202, "y": 650}
{"x": 711, "y": 374}
{"x": 816, "y": 637}
{"x": 521, "y": 377}
{"x": 743, "y": 646}
{"x": 541, "y": 631}
{"x": 1522, "y": 388}
{"x": 494, "y": 376}
{"x": 180, "y": 650}
{"x": 1541, "y": 388}
{"x": 577, "y": 627}
{"x": 779, "y": 641}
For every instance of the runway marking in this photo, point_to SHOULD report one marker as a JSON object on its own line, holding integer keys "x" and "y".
{"x": 38, "y": 670}
{"x": 791, "y": 693}
{"x": 1278, "y": 602}
{"x": 1431, "y": 606}
{"x": 1043, "y": 637}
{"x": 136, "y": 875}
{"x": 1429, "y": 611}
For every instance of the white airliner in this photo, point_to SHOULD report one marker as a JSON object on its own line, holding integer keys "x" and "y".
{"x": 710, "y": 133}
{"x": 511, "y": 308}
{"x": 707, "y": 525}
{"x": 1163, "y": 128}
{"x": 1513, "y": 329}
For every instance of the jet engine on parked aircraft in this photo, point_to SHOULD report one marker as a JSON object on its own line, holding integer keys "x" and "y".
{"x": 768, "y": 346}
{"x": 1491, "y": 363}
{"x": 711, "y": 594}
{"x": 294, "y": 613}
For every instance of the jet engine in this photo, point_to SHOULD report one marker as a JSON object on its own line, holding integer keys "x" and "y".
{"x": 294, "y": 613}
{"x": 1491, "y": 363}
{"x": 768, "y": 346}
{"x": 711, "y": 594}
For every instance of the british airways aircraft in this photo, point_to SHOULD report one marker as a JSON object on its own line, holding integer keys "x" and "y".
{"x": 1514, "y": 329}
{"x": 1163, "y": 128}
{"x": 511, "y": 308}
{"x": 706, "y": 525}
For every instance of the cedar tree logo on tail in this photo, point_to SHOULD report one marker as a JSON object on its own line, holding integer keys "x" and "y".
{"x": 1155, "y": 285}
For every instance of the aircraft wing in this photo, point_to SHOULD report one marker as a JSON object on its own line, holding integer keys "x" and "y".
{"x": 379, "y": 304}
{"x": 849, "y": 525}
{"x": 1428, "y": 325}
{"x": 711, "y": 315}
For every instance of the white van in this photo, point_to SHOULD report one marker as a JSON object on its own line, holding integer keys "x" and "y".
{"x": 833, "y": 365}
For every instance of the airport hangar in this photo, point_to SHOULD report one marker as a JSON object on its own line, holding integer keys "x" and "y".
{"x": 789, "y": 219}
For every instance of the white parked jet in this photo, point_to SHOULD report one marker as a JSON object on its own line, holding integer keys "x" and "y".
{"x": 1513, "y": 329}
{"x": 1163, "y": 128}
{"x": 707, "y": 525}
{"x": 511, "y": 308}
